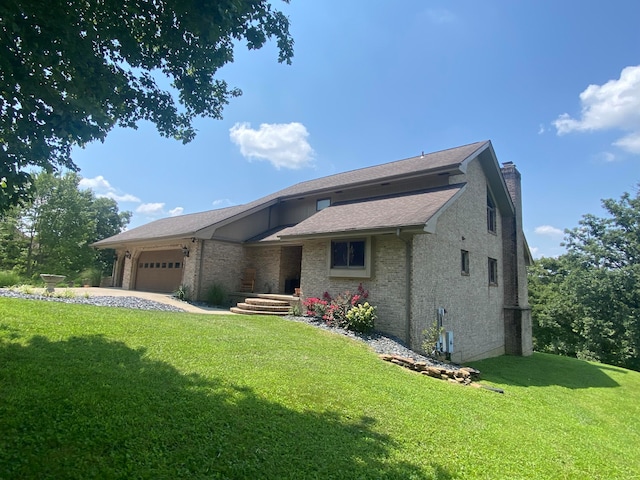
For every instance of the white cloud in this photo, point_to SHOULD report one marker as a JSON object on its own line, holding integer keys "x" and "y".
{"x": 96, "y": 183}
{"x": 222, "y": 202}
{"x": 549, "y": 231}
{"x": 283, "y": 144}
{"x": 102, "y": 188}
{"x": 541, "y": 129}
{"x": 120, "y": 198}
{"x": 157, "y": 210}
{"x": 151, "y": 209}
{"x": 614, "y": 105}
{"x": 630, "y": 143}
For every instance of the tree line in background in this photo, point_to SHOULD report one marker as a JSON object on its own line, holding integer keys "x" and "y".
{"x": 586, "y": 303}
{"x": 53, "y": 232}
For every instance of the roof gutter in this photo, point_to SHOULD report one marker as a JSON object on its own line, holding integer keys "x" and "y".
{"x": 350, "y": 233}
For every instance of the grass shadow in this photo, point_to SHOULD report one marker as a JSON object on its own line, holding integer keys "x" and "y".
{"x": 90, "y": 407}
{"x": 541, "y": 369}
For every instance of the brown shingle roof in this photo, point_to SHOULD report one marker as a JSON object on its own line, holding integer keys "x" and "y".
{"x": 385, "y": 213}
{"x": 438, "y": 161}
{"x": 188, "y": 225}
{"x": 178, "y": 227}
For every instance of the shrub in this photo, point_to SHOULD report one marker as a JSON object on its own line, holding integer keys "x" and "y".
{"x": 361, "y": 317}
{"x": 338, "y": 306}
{"x": 296, "y": 309}
{"x": 315, "y": 307}
{"x": 91, "y": 276}
{"x": 182, "y": 293}
{"x": 216, "y": 295}
{"x": 334, "y": 310}
{"x": 431, "y": 338}
{"x": 9, "y": 278}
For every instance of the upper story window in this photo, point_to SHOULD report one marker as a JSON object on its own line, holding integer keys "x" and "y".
{"x": 491, "y": 214}
{"x": 493, "y": 271}
{"x": 322, "y": 204}
{"x": 464, "y": 262}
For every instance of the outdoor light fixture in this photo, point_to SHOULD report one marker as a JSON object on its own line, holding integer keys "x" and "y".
{"x": 185, "y": 251}
{"x": 127, "y": 254}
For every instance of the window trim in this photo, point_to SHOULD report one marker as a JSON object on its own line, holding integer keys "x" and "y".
{"x": 353, "y": 272}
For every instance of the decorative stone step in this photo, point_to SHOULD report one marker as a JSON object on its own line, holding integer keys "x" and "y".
{"x": 242, "y": 311}
{"x": 283, "y": 309}
{"x": 267, "y": 302}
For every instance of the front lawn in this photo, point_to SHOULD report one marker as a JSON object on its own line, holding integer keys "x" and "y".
{"x": 95, "y": 392}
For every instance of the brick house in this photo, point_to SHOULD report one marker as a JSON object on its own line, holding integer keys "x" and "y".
{"x": 434, "y": 238}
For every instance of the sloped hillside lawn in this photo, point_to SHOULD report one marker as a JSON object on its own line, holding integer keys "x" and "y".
{"x": 95, "y": 392}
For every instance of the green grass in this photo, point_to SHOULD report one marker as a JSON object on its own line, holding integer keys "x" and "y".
{"x": 91, "y": 392}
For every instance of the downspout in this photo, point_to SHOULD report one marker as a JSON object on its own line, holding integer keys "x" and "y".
{"x": 407, "y": 300}
{"x": 200, "y": 267}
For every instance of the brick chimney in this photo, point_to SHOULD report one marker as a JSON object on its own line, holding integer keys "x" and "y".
{"x": 513, "y": 179}
{"x": 518, "y": 335}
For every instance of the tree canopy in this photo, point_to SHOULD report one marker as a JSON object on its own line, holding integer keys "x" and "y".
{"x": 586, "y": 303}
{"x": 71, "y": 70}
{"x": 53, "y": 232}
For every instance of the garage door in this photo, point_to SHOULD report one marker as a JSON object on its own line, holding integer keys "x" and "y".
{"x": 160, "y": 271}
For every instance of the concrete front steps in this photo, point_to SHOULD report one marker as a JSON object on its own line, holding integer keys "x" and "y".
{"x": 266, "y": 304}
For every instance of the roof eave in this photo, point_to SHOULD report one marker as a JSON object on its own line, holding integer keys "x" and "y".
{"x": 454, "y": 168}
{"x": 141, "y": 241}
{"x": 390, "y": 230}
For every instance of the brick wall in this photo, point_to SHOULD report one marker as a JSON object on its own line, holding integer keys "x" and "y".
{"x": 266, "y": 261}
{"x": 219, "y": 263}
{"x": 474, "y": 309}
{"x": 386, "y": 285}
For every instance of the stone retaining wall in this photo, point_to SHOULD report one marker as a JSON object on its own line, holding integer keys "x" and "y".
{"x": 461, "y": 375}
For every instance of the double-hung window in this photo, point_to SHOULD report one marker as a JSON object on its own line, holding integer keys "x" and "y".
{"x": 350, "y": 257}
{"x": 348, "y": 254}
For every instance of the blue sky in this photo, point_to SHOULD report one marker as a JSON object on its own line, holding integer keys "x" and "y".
{"x": 555, "y": 85}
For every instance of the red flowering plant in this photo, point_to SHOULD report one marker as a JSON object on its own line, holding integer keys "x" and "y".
{"x": 315, "y": 307}
{"x": 333, "y": 310}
